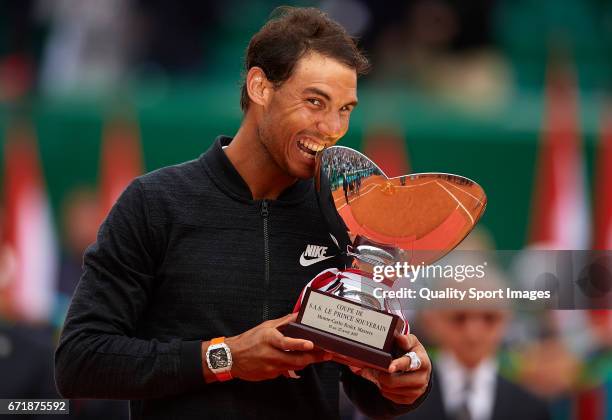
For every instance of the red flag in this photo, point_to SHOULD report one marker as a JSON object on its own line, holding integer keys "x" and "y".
{"x": 29, "y": 228}
{"x": 560, "y": 217}
{"x": 602, "y": 238}
{"x": 121, "y": 160}
{"x": 590, "y": 404}
{"x": 601, "y": 320}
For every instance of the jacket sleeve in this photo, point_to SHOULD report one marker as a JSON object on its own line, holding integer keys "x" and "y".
{"x": 367, "y": 397}
{"x": 98, "y": 355}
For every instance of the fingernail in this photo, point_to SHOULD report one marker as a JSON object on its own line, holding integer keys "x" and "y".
{"x": 392, "y": 368}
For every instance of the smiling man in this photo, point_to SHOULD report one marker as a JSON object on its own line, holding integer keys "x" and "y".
{"x": 287, "y": 122}
{"x": 198, "y": 264}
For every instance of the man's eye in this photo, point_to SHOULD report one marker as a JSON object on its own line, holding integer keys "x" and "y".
{"x": 346, "y": 109}
{"x": 314, "y": 101}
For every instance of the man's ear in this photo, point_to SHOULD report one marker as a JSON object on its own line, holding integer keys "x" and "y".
{"x": 258, "y": 86}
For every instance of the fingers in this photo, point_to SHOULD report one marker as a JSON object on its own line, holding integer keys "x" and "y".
{"x": 273, "y": 323}
{"x": 410, "y": 343}
{"x": 401, "y": 364}
{"x": 279, "y": 341}
{"x": 295, "y": 344}
{"x": 413, "y": 358}
{"x": 397, "y": 381}
{"x": 296, "y": 352}
{"x": 406, "y": 342}
{"x": 418, "y": 379}
{"x": 356, "y": 370}
{"x": 320, "y": 356}
{"x": 287, "y": 319}
{"x": 299, "y": 360}
{"x": 408, "y": 396}
{"x": 291, "y": 353}
{"x": 411, "y": 361}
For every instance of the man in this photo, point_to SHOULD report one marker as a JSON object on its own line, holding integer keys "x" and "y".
{"x": 467, "y": 385}
{"x": 198, "y": 264}
{"x": 345, "y": 188}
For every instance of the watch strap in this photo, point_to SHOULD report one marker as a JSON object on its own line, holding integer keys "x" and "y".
{"x": 223, "y": 376}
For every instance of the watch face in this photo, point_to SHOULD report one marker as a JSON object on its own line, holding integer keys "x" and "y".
{"x": 218, "y": 358}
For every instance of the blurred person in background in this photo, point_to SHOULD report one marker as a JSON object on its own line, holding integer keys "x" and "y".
{"x": 211, "y": 248}
{"x": 26, "y": 357}
{"x": 97, "y": 47}
{"x": 26, "y": 366}
{"x": 545, "y": 364}
{"x": 176, "y": 40}
{"x": 467, "y": 383}
{"x": 467, "y": 336}
{"x": 26, "y": 362}
{"x": 440, "y": 47}
{"x": 89, "y": 45}
{"x": 595, "y": 396}
{"x": 26, "y": 352}
{"x": 19, "y": 39}
{"x": 80, "y": 219}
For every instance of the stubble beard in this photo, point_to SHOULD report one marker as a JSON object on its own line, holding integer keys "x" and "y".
{"x": 264, "y": 139}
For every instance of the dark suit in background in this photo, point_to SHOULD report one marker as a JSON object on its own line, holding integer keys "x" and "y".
{"x": 511, "y": 402}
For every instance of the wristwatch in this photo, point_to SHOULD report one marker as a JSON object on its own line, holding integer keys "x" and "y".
{"x": 219, "y": 359}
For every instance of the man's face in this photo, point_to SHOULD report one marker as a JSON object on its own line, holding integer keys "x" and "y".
{"x": 471, "y": 335}
{"x": 309, "y": 111}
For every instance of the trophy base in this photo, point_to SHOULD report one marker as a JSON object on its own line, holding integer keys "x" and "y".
{"x": 345, "y": 351}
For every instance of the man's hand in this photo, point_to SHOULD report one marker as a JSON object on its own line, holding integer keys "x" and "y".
{"x": 399, "y": 384}
{"x": 264, "y": 353}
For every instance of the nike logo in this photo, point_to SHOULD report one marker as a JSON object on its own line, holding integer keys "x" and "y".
{"x": 314, "y": 254}
{"x": 305, "y": 263}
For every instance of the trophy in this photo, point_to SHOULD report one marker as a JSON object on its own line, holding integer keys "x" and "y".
{"x": 377, "y": 221}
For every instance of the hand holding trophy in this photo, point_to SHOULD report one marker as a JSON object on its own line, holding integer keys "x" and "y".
{"x": 413, "y": 219}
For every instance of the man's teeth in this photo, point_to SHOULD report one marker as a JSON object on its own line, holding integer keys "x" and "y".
{"x": 311, "y": 145}
{"x": 308, "y": 155}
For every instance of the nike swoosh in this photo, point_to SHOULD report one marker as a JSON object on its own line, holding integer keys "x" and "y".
{"x": 305, "y": 263}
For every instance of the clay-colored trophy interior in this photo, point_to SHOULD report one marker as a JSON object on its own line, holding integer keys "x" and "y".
{"x": 426, "y": 215}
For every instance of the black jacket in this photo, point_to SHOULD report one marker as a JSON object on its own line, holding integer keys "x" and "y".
{"x": 186, "y": 255}
{"x": 511, "y": 402}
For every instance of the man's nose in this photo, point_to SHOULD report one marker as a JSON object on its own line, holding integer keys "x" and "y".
{"x": 331, "y": 126}
{"x": 474, "y": 328}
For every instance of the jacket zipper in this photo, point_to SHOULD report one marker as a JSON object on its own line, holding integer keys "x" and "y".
{"x": 264, "y": 214}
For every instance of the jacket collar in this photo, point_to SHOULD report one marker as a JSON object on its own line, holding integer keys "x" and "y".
{"x": 224, "y": 173}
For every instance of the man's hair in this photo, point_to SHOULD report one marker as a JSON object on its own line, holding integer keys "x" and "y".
{"x": 289, "y": 35}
